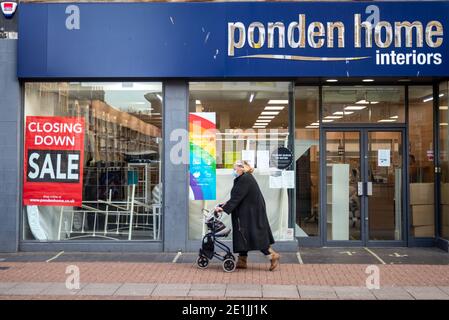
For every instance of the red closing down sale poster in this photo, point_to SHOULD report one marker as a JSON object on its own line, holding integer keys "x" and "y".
{"x": 53, "y": 161}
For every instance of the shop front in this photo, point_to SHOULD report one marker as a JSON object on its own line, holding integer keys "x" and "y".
{"x": 133, "y": 115}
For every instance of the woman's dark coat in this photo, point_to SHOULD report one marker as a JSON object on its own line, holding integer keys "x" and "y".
{"x": 250, "y": 227}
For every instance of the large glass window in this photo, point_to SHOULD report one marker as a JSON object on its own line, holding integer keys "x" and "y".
{"x": 115, "y": 157}
{"x": 444, "y": 159}
{"x": 307, "y": 141}
{"x": 250, "y": 121}
{"x": 421, "y": 161}
{"x": 364, "y": 104}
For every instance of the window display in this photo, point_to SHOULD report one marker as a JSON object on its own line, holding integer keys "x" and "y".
{"x": 238, "y": 121}
{"x": 92, "y": 161}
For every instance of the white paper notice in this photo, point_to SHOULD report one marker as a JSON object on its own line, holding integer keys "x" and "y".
{"x": 383, "y": 157}
{"x": 249, "y": 156}
{"x": 263, "y": 160}
{"x": 282, "y": 179}
{"x": 276, "y": 180}
{"x": 288, "y": 179}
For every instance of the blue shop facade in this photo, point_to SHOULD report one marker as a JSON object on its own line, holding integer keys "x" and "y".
{"x": 127, "y": 118}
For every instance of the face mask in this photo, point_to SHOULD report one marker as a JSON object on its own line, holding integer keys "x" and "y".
{"x": 235, "y": 174}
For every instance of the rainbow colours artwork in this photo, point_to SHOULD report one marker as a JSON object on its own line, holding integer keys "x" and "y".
{"x": 202, "y": 131}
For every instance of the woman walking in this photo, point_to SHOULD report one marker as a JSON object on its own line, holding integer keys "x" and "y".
{"x": 250, "y": 227}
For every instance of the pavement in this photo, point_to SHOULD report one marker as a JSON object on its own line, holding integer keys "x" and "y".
{"x": 310, "y": 273}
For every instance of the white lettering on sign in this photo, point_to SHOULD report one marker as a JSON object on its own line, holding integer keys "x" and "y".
{"x": 369, "y": 33}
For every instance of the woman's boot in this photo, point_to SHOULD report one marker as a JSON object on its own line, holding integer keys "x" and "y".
{"x": 242, "y": 262}
{"x": 274, "y": 259}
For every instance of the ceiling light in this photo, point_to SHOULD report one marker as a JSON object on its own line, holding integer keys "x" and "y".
{"x": 311, "y": 127}
{"x": 394, "y": 117}
{"x": 274, "y": 107}
{"x": 263, "y": 121}
{"x": 331, "y": 80}
{"x": 333, "y": 117}
{"x": 197, "y": 101}
{"x": 441, "y": 95}
{"x": 443, "y": 107}
{"x": 314, "y": 124}
{"x": 251, "y": 97}
{"x": 374, "y": 102}
{"x": 343, "y": 113}
{"x": 368, "y": 80}
{"x": 267, "y": 117}
{"x": 278, "y": 102}
{"x": 270, "y": 113}
{"x": 355, "y": 107}
{"x": 387, "y": 120}
{"x": 327, "y": 120}
{"x": 363, "y": 101}
{"x": 255, "y": 127}
{"x": 443, "y": 124}
{"x": 428, "y": 99}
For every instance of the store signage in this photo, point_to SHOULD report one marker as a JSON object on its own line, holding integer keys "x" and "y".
{"x": 53, "y": 161}
{"x": 8, "y": 8}
{"x": 282, "y": 158}
{"x": 229, "y": 39}
{"x": 202, "y": 133}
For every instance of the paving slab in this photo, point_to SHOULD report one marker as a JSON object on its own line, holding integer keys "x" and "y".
{"x": 207, "y": 290}
{"x": 5, "y": 286}
{"x": 136, "y": 289}
{"x": 317, "y": 292}
{"x": 391, "y": 293}
{"x": 445, "y": 289}
{"x": 99, "y": 289}
{"x": 28, "y": 288}
{"x": 244, "y": 290}
{"x": 357, "y": 293}
{"x": 427, "y": 293}
{"x": 172, "y": 290}
{"x": 60, "y": 289}
{"x": 280, "y": 291}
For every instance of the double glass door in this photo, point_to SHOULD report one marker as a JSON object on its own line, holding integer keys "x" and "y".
{"x": 363, "y": 186}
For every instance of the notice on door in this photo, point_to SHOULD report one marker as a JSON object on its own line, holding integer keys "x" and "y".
{"x": 383, "y": 157}
{"x": 53, "y": 161}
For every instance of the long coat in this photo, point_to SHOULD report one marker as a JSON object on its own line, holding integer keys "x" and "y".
{"x": 250, "y": 227}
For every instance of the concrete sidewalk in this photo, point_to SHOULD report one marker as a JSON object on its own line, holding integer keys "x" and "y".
{"x": 50, "y": 290}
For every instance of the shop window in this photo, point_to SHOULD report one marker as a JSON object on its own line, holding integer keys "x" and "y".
{"x": 421, "y": 161}
{"x": 363, "y": 104}
{"x": 249, "y": 122}
{"x": 92, "y": 161}
{"x": 307, "y": 140}
{"x": 444, "y": 160}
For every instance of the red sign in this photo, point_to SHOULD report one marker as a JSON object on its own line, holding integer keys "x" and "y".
{"x": 53, "y": 161}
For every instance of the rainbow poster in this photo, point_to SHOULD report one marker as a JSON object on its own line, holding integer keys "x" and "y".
{"x": 202, "y": 131}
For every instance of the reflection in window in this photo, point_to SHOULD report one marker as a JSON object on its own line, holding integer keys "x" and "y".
{"x": 307, "y": 138}
{"x": 421, "y": 162}
{"x": 251, "y": 122}
{"x": 444, "y": 159}
{"x": 122, "y": 188}
{"x": 351, "y": 104}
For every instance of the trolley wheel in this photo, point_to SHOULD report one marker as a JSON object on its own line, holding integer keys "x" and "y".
{"x": 229, "y": 265}
{"x": 229, "y": 256}
{"x": 202, "y": 262}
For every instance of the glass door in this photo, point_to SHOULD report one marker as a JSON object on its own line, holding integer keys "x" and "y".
{"x": 363, "y": 185}
{"x": 343, "y": 174}
{"x": 384, "y": 192}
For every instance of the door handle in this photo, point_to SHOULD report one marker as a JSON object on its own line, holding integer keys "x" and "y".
{"x": 369, "y": 188}
{"x": 360, "y": 188}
